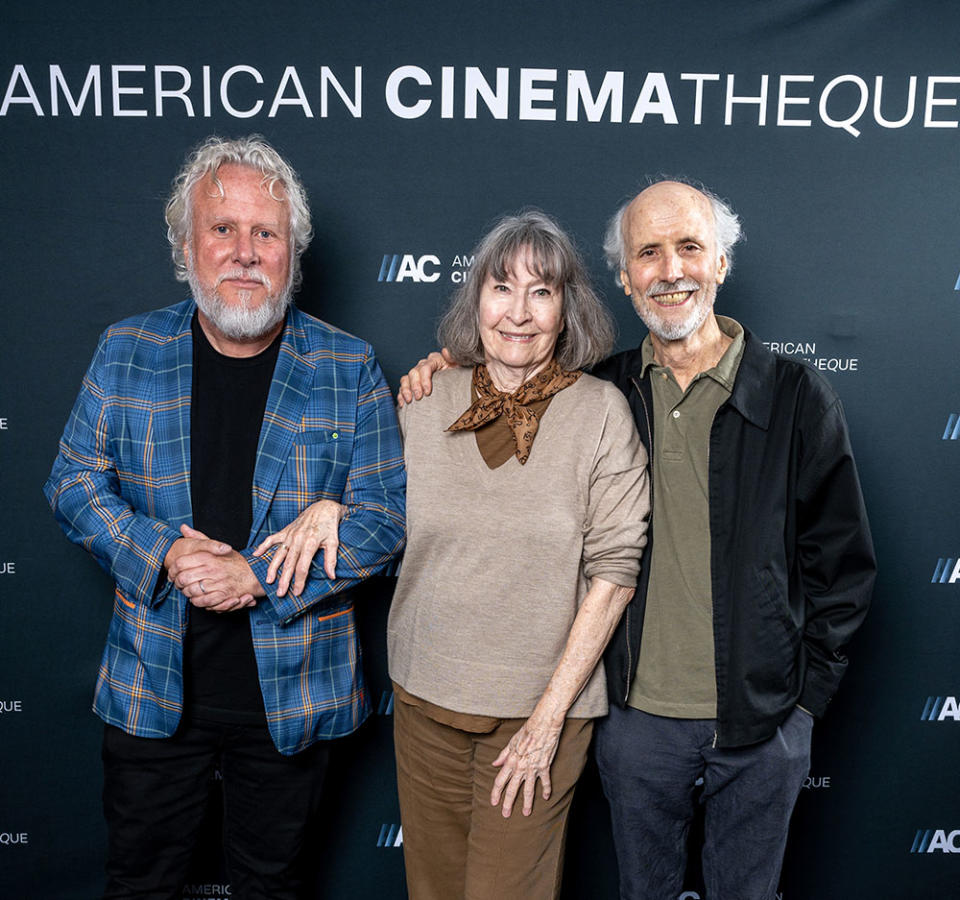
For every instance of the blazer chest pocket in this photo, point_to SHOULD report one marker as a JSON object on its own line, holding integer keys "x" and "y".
{"x": 323, "y": 454}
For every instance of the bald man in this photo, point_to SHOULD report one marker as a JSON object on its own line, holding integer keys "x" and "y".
{"x": 758, "y": 569}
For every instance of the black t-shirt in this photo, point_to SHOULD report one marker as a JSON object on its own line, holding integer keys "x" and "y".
{"x": 227, "y": 407}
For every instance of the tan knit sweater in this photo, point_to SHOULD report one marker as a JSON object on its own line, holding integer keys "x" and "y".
{"x": 498, "y": 561}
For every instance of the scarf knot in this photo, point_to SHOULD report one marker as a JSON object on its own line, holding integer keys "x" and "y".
{"x": 523, "y": 421}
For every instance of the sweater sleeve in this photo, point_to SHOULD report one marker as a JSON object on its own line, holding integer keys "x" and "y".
{"x": 618, "y": 504}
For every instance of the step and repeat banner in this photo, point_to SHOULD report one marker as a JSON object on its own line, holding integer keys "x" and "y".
{"x": 831, "y": 127}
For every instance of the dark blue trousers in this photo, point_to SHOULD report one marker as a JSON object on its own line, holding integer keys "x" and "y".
{"x": 155, "y": 796}
{"x": 650, "y": 766}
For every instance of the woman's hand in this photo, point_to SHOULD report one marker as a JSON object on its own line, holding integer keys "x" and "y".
{"x": 317, "y": 526}
{"x": 530, "y": 751}
{"x": 526, "y": 758}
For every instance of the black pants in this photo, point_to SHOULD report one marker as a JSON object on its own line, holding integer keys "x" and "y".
{"x": 155, "y": 795}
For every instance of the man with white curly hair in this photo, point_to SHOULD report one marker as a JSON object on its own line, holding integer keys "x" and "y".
{"x": 758, "y": 567}
{"x": 199, "y": 430}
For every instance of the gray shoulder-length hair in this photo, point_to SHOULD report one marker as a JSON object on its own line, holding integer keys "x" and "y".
{"x": 279, "y": 179}
{"x": 588, "y": 332}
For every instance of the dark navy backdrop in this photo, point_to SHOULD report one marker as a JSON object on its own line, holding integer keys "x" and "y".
{"x": 851, "y": 260}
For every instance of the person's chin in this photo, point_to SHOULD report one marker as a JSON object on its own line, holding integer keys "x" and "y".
{"x": 242, "y": 298}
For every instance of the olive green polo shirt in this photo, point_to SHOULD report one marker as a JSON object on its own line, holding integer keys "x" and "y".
{"x": 676, "y": 675}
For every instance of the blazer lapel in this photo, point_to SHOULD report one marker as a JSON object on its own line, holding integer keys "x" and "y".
{"x": 173, "y": 383}
{"x": 289, "y": 392}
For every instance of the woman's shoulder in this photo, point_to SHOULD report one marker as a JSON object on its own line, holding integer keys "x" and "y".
{"x": 452, "y": 386}
{"x": 449, "y": 396}
{"x": 448, "y": 380}
{"x": 596, "y": 393}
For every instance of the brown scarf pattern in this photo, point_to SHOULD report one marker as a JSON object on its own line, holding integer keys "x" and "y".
{"x": 524, "y": 422}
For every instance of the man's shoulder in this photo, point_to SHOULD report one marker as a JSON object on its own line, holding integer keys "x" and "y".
{"x": 154, "y": 325}
{"x": 619, "y": 367}
{"x": 789, "y": 382}
{"x": 798, "y": 376}
{"x": 318, "y": 337}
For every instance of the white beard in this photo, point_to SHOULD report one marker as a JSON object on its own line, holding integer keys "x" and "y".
{"x": 680, "y": 329}
{"x": 241, "y": 322}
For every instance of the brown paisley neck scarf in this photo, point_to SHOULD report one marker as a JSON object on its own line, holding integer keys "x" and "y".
{"x": 523, "y": 421}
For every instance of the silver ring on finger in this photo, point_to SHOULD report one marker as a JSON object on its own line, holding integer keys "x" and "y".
{"x": 202, "y": 591}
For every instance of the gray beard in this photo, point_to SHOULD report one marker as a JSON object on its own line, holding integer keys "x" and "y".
{"x": 675, "y": 331}
{"x": 241, "y": 322}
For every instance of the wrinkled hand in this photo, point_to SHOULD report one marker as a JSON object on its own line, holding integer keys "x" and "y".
{"x": 418, "y": 382}
{"x": 317, "y": 526}
{"x": 192, "y": 542}
{"x": 211, "y": 574}
{"x": 526, "y": 758}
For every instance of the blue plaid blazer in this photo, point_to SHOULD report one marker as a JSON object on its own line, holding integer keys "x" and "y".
{"x": 120, "y": 487}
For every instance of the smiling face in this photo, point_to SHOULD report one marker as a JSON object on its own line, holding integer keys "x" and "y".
{"x": 238, "y": 254}
{"x": 672, "y": 264}
{"x": 521, "y": 317}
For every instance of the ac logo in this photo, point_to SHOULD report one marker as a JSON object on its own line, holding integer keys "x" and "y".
{"x": 390, "y": 836}
{"x": 407, "y": 267}
{"x": 952, "y": 431}
{"x": 947, "y": 571}
{"x": 931, "y": 841}
{"x": 939, "y": 709}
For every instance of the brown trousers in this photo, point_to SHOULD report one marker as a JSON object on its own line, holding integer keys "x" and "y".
{"x": 455, "y": 844}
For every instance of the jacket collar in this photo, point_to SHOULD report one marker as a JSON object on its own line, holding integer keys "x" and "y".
{"x": 752, "y": 394}
{"x": 753, "y": 391}
{"x": 282, "y": 419}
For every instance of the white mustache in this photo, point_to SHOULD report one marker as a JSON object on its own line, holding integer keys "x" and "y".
{"x": 668, "y": 287}
{"x": 246, "y": 275}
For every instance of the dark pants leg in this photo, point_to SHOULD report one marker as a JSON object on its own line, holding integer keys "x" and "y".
{"x": 155, "y": 796}
{"x": 649, "y": 766}
{"x": 749, "y": 796}
{"x": 269, "y": 802}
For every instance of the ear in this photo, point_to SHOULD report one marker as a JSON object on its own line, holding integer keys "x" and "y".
{"x": 625, "y": 282}
{"x": 186, "y": 252}
{"x": 721, "y": 270}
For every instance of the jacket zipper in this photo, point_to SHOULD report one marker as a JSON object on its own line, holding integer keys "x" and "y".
{"x": 646, "y": 415}
{"x": 716, "y": 734}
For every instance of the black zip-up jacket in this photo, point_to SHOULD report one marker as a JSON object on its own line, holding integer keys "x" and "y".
{"x": 791, "y": 558}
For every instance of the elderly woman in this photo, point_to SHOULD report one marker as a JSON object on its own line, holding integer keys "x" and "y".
{"x": 526, "y": 505}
